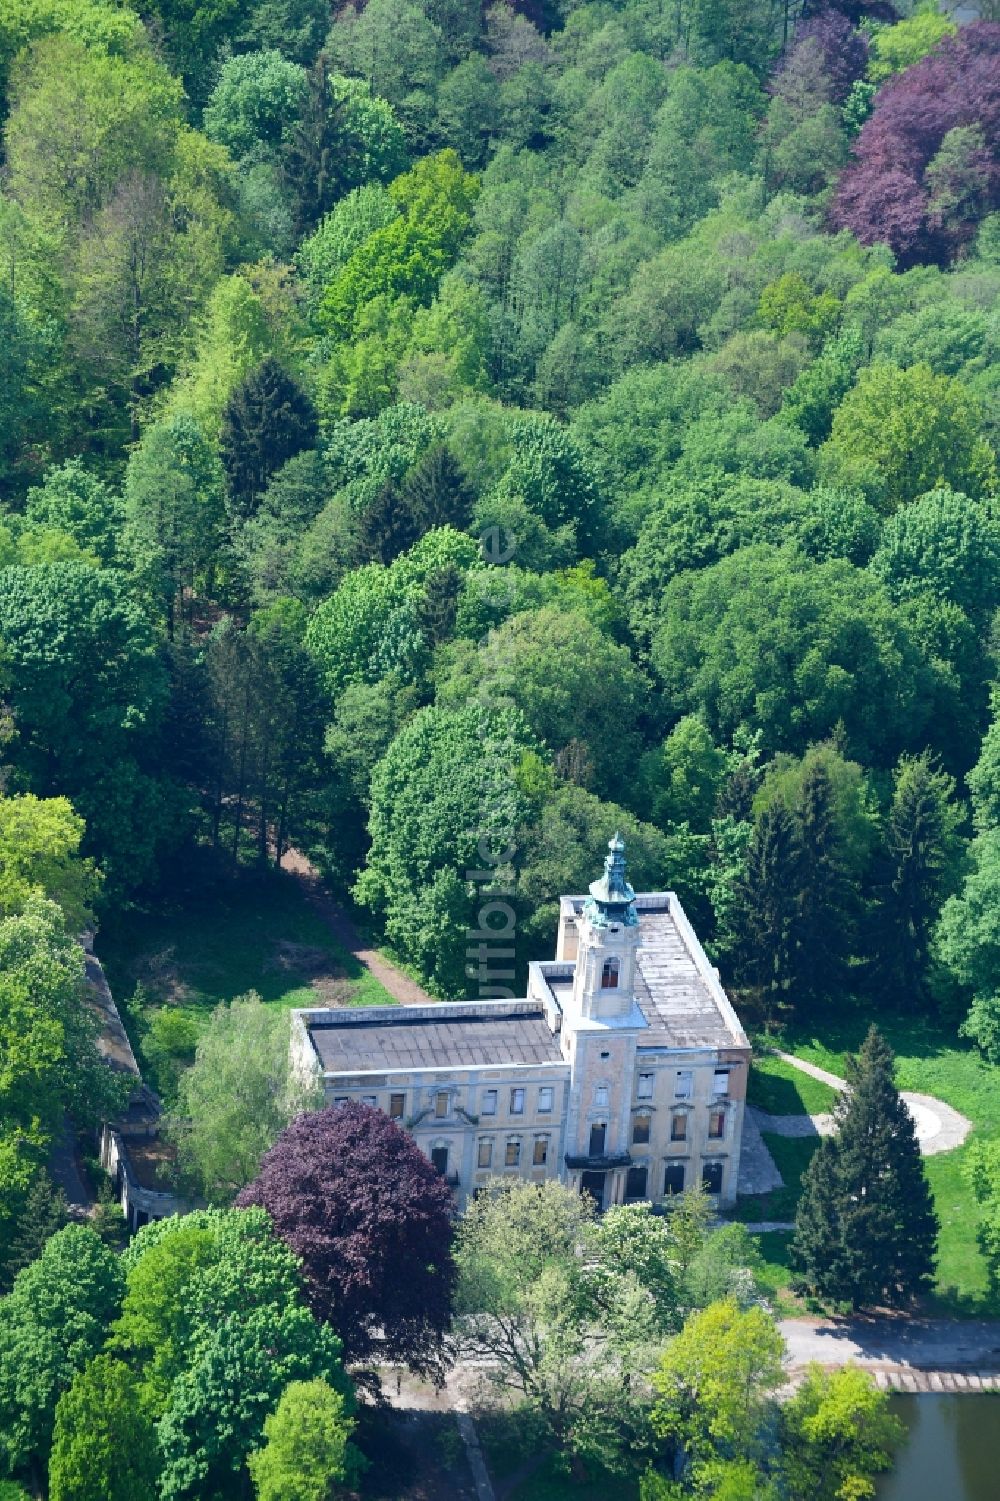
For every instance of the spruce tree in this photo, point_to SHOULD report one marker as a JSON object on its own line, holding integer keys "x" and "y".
{"x": 919, "y": 868}
{"x": 816, "y": 1252}
{"x": 386, "y": 526}
{"x": 766, "y": 903}
{"x": 267, "y": 420}
{"x": 45, "y": 1211}
{"x": 432, "y": 493}
{"x": 868, "y": 1197}
{"x": 438, "y": 606}
{"x": 435, "y": 491}
{"x": 823, "y": 927}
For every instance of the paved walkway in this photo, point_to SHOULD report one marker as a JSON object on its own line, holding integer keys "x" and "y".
{"x": 904, "y": 1354}
{"x": 399, "y": 986}
{"x": 939, "y": 1128}
{"x": 758, "y": 1170}
{"x": 65, "y": 1173}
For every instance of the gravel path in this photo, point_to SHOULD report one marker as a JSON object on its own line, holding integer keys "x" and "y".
{"x": 399, "y": 986}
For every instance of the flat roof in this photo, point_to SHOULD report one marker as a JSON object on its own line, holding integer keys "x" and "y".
{"x": 484, "y": 1037}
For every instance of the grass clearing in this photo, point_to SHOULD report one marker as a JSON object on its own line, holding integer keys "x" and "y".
{"x": 781, "y": 1089}
{"x": 929, "y": 1060}
{"x": 775, "y": 1275}
{"x": 550, "y": 1484}
{"x": 220, "y": 940}
{"x": 792, "y": 1155}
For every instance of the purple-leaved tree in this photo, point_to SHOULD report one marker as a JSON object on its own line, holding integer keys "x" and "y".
{"x": 926, "y": 166}
{"x": 824, "y": 60}
{"x": 357, "y": 1201}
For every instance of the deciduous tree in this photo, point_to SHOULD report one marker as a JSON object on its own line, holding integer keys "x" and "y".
{"x": 354, "y": 1197}
{"x": 52, "y": 1324}
{"x": 307, "y": 1451}
{"x": 104, "y": 1445}
{"x": 236, "y": 1098}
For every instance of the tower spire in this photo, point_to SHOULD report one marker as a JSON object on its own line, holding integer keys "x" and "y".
{"x": 612, "y": 899}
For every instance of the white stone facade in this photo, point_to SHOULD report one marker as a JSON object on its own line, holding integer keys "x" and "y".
{"x": 623, "y": 1072}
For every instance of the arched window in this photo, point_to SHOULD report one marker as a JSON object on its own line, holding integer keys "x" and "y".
{"x": 609, "y": 974}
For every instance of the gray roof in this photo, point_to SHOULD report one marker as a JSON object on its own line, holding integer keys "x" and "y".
{"x": 113, "y": 1043}
{"x": 674, "y": 993}
{"x": 678, "y": 991}
{"x": 480, "y": 1037}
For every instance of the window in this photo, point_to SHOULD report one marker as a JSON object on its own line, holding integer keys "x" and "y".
{"x": 684, "y": 1080}
{"x": 673, "y": 1178}
{"x": 720, "y": 1081}
{"x": 598, "y": 1134}
{"x": 678, "y": 1126}
{"x": 540, "y": 1155}
{"x": 546, "y": 1095}
{"x": 485, "y": 1156}
{"x": 340, "y": 1099}
{"x": 397, "y": 1106}
{"x": 640, "y": 1131}
{"x": 439, "y": 1157}
{"x": 635, "y": 1183}
{"x": 517, "y": 1102}
{"x": 609, "y": 974}
{"x": 711, "y": 1177}
{"x": 512, "y": 1154}
{"x": 370, "y": 1099}
{"x": 441, "y": 1102}
{"x": 601, "y": 1096}
{"x": 717, "y": 1124}
{"x": 644, "y": 1090}
{"x": 489, "y": 1105}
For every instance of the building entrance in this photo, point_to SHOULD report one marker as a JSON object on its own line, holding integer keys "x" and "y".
{"x": 593, "y": 1184}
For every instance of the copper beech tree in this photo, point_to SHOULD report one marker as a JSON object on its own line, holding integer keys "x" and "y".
{"x": 353, "y": 1196}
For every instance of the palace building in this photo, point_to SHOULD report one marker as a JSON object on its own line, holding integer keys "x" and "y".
{"x": 623, "y": 1071}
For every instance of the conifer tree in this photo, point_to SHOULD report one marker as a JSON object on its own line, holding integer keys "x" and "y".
{"x": 816, "y": 1251}
{"x": 766, "y": 900}
{"x": 45, "y": 1211}
{"x": 920, "y": 859}
{"x": 433, "y": 493}
{"x": 866, "y": 1227}
{"x": 823, "y": 919}
{"x": 267, "y": 420}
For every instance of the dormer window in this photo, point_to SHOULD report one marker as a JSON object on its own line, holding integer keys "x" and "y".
{"x": 610, "y": 974}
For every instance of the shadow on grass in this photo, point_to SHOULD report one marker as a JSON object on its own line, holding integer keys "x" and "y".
{"x": 413, "y": 1455}
{"x": 253, "y": 932}
{"x": 792, "y": 1155}
{"x": 523, "y": 1466}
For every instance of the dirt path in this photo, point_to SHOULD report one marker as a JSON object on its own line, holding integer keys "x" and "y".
{"x": 399, "y": 986}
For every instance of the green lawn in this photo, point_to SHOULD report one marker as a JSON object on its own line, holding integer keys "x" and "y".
{"x": 775, "y": 1275}
{"x": 929, "y": 1060}
{"x": 252, "y": 933}
{"x": 779, "y": 1088}
{"x": 552, "y": 1485}
{"x": 791, "y": 1155}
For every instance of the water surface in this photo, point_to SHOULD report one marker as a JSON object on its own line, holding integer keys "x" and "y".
{"x": 952, "y": 1452}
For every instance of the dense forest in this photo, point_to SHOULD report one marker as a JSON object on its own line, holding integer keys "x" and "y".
{"x": 433, "y": 436}
{"x": 432, "y": 427}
